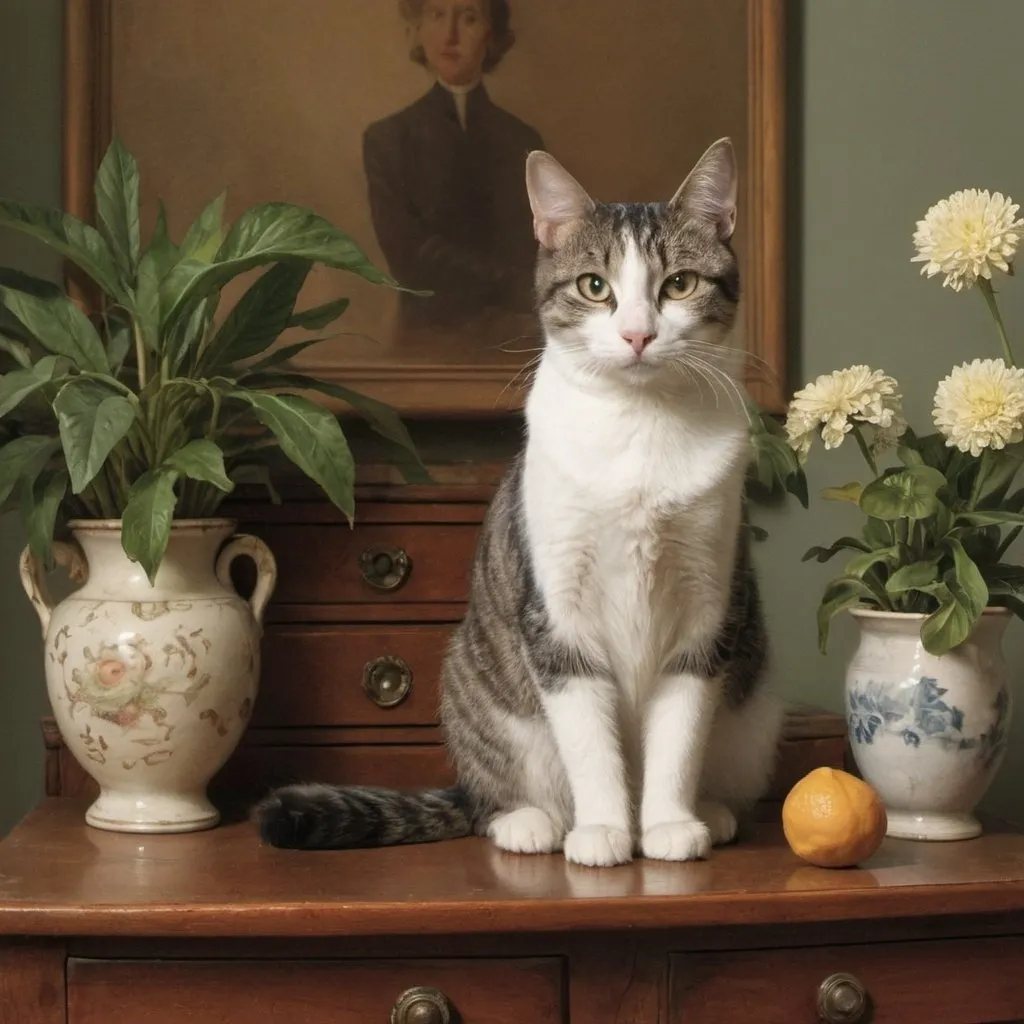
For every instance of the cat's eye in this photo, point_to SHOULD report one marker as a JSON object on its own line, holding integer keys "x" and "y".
{"x": 680, "y": 286}
{"x": 594, "y": 287}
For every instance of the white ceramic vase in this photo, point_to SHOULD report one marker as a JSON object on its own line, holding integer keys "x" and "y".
{"x": 928, "y": 732}
{"x": 152, "y": 686}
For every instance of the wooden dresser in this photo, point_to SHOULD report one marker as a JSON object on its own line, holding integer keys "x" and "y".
{"x": 214, "y": 928}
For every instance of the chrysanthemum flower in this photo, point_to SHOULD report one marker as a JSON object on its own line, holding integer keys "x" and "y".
{"x": 966, "y": 235}
{"x": 835, "y": 401}
{"x": 981, "y": 405}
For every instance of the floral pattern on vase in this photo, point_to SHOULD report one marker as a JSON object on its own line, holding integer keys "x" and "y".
{"x": 928, "y": 732}
{"x": 137, "y": 679}
{"x": 920, "y": 714}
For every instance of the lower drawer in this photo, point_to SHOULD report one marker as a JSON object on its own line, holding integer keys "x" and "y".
{"x": 974, "y": 981}
{"x": 314, "y": 992}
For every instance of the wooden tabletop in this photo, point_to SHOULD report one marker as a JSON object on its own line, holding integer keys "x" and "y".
{"x": 59, "y": 876}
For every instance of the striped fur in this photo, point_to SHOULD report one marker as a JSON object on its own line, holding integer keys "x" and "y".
{"x": 604, "y": 692}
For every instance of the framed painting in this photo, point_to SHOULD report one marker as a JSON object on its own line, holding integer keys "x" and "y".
{"x": 407, "y": 124}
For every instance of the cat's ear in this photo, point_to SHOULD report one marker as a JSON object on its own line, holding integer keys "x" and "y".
{"x": 557, "y": 199}
{"x": 709, "y": 191}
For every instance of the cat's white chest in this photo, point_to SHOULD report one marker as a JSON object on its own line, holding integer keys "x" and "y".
{"x": 632, "y": 517}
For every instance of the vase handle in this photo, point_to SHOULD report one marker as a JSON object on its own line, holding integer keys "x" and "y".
{"x": 245, "y": 544}
{"x": 65, "y": 553}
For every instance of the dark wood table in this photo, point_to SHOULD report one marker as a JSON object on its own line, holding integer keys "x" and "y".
{"x": 97, "y": 928}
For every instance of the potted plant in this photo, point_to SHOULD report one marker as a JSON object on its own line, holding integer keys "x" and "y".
{"x": 930, "y": 581}
{"x": 121, "y": 432}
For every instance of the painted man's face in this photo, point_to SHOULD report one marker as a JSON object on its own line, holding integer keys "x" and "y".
{"x": 455, "y": 35}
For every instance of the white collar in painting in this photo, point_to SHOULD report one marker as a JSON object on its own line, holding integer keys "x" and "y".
{"x": 459, "y": 94}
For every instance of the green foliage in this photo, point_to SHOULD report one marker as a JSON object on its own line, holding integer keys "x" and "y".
{"x": 932, "y": 541}
{"x": 153, "y": 407}
{"x": 775, "y": 469}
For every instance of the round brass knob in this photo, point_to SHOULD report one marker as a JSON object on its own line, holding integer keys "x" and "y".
{"x": 385, "y": 568}
{"x": 387, "y": 680}
{"x": 421, "y": 1006}
{"x": 842, "y": 999}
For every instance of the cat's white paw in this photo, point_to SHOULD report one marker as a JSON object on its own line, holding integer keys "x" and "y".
{"x": 721, "y": 822}
{"x": 598, "y": 846}
{"x": 677, "y": 840}
{"x": 526, "y": 830}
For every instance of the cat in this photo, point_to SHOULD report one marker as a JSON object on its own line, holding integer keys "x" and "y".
{"x": 604, "y": 694}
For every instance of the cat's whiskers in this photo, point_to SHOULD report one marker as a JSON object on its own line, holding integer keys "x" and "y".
{"x": 731, "y": 388}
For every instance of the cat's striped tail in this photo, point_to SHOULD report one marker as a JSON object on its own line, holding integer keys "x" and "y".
{"x": 317, "y": 816}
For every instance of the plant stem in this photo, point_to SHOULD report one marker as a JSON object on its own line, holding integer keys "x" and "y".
{"x": 1007, "y": 541}
{"x": 864, "y": 449}
{"x": 990, "y": 299}
{"x": 140, "y": 354}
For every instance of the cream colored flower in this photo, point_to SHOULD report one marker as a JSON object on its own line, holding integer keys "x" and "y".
{"x": 981, "y": 405}
{"x": 966, "y": 235}
{"x": 835, "y": 401}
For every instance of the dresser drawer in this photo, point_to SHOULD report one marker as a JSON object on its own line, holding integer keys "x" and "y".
{"x": 939, "y": 982}
{"x": 351, "y": 675}
{"x": 409, "y": 562}
{"x": 313, "y": 992}
{"x": 256, "y": 767}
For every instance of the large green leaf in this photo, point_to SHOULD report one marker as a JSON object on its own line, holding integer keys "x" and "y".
{"x": 146, "y": 521}
{"x": 59, "y": 326}
{"x": 970, "y": 587}
{"x": 911, "y": 493}
{"x": 69, "y": 236}
{"x": 40, "y": 503}
{"x": 147, "y": 300}
{"x": 950, "y": 625}
{"x": 284, "y": 354}
{"x": 206, "y": 235}
{"x": 995, "y": 517}
{"x": 275, "y": 233}
{"x": 93, "y": 417}
{"x": 201, "y": 460}
{"x": 161, "y": 248}
{"x": 117, "y": 206}
{"x": 258, "y": 317}
{"x": 996, "y": 472}
{"x": 19, "y": 384}
{"x": 18, "y": 351}
{"x": 24, "y": 459}
{"x": 317, "y": 317}
{"x": 843, "y": 544}
{"x": 914, "y": 576}
{"x": 382, "y": 419}
{"x": 840, "y": 594}
{"x": 10, "y": 325}
{"x": 860, "y": 564}
{"x": 311, "y": 437}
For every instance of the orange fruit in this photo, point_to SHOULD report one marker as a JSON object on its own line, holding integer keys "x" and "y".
{"x": 833, "y": 819}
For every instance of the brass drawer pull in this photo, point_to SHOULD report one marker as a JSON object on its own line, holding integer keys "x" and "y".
{"x": 842, "y": 999}
{"x": 421, "y": 1006}
{"x": 385, "y": 568}
{"x": 387, "y": 680}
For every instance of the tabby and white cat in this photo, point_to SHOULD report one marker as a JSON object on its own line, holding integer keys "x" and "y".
{"x": 604, "y": 693}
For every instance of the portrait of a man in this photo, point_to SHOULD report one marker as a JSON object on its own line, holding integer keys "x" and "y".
{"x": 444, "y": 175}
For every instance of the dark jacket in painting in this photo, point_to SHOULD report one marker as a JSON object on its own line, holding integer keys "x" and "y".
{"x": 449, "y": 206}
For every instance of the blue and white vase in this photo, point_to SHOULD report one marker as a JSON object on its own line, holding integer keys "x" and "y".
{"x": 928, "y": 732}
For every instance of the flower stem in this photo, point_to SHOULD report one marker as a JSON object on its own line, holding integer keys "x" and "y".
{"x": 864, "y": 449}
{"x": 990, "y": 299}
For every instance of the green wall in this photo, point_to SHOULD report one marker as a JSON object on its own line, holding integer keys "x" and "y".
{"x": 894, "y": 104}
{"x": 30, "y": 146}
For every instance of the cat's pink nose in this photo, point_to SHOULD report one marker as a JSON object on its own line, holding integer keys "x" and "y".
{"x": 638, "y": 340}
